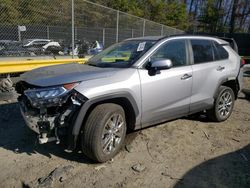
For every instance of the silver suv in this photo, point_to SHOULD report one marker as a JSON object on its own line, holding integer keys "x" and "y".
{"x": 130, "y": 85}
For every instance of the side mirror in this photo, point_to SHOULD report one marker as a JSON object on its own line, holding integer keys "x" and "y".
{"x": 161, "y": 64}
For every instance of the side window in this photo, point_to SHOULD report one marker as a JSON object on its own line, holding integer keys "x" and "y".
{"x": 202, "y": 51}
{"x": 174, "y": 50}
{"x": 222, "y": 53}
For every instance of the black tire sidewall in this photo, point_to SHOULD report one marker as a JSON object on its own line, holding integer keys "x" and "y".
{"x": 222, "y": 90}
{"x": 96, "y": 150}
{"x": 98, "y": 135}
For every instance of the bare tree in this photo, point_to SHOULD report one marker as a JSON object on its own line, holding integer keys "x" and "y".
{"x": 233, "y": 16}
{"x": 244, "y": 13}
{"x": 219, "y": 3}
{"x": 191, "y": 5}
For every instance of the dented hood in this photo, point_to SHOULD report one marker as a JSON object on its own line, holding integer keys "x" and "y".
{"x": 67, "y": 73}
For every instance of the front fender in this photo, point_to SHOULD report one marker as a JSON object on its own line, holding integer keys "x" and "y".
{"x": 73, "y": 137}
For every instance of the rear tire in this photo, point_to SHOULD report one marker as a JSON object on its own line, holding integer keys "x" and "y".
{"x": 223, "y": 105}
{"x": 104, "y": 132}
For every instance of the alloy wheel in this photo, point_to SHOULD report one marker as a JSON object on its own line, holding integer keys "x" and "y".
{"x": 112, "y": 133}
{"x": 225, "y": 104}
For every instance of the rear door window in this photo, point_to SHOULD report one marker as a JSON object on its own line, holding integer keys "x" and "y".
{"x": 202, "y": 51}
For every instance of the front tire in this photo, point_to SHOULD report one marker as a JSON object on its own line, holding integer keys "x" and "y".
{"x": 223, "y": 106}
{"x": 104, "y": 132}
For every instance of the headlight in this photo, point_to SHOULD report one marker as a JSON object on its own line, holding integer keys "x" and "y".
{"x": 50, "y": 96}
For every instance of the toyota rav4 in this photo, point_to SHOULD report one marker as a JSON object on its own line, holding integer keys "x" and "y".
{"x": 131, "y": 85}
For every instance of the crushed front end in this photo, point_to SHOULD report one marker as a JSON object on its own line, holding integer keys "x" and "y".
{"x": 49, "y": 111}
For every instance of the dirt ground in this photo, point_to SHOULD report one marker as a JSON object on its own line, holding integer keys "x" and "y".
{"x": 188, "y": 152}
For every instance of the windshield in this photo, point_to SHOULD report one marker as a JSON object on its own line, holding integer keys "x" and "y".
{"x": 122, "y": 54}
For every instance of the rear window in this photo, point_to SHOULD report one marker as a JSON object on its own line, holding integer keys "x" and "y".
{"x": 202, "y": 51}
{"x": 221, "y": 52}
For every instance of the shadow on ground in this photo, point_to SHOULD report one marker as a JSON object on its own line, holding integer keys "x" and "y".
{"x": 246, "y": 93}
{"x": 17, "y": 137}
{"x": 230, "y": 170}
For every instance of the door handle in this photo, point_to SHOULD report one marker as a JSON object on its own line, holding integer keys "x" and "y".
{"x": 186, "y": 76}
{"x": 220, "y": 68}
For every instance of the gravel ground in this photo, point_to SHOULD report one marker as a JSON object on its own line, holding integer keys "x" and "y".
{"x": 188, "y": 152}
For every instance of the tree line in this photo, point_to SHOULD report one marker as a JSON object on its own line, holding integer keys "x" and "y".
{"x": 193, "y": 15}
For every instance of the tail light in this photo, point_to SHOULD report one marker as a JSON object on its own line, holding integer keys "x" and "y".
{"x": 242, "y": 62}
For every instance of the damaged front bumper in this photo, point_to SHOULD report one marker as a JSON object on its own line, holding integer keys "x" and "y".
{"x": 41, "y": 127}
{"x": 31, "y": 121}
{"x": 54, "y": 121}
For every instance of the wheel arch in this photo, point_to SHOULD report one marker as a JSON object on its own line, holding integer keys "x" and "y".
{"x": 234, "y": 85}
{"x": 123, "y": 99}
{"x": 231, "y": 83}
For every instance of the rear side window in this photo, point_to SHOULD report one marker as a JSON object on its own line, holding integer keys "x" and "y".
{"x": 221, "y": 52}
{"x": 202, "y": 51}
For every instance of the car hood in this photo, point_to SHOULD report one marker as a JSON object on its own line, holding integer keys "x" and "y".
{"x": 67, "y": 73}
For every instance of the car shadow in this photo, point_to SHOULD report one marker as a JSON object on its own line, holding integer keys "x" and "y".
{"x": 17, "y": 137}
{"x": 246, "y": 92}
{"x": 230, "y": 170}
{"x": 201, "y": 117}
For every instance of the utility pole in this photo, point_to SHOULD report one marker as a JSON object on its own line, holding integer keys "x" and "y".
{"x": 73, "y": 28}
{"x": 117, "y": 26}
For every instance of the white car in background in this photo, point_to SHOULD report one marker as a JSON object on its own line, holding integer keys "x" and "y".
{"x": 35, "y": 42}
{"x": 56, "y": 44}
{"x": 41, "y": 46}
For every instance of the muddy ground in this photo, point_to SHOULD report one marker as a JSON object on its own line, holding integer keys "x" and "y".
{"x": 188, "y": 152}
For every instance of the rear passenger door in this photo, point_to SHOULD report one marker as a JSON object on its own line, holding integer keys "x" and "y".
{"x": 210, "y": 61}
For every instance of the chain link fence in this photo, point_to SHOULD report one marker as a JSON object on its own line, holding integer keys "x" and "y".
{"x": 70, "y": 23}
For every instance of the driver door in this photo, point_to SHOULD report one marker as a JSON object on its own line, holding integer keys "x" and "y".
{"x": 166, "y": 95}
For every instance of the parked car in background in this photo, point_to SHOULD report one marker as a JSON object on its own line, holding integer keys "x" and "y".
{"x": 5, "y": 42}
{"x": 52, "y": 48}
{"x": 35, "y": 45}
{"x": 151, "y": 80}
{"x": 13, "y": 48}
{"x": 43, "y": 46}
{"x": 35, "y": 42}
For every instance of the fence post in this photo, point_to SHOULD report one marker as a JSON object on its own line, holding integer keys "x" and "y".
{"x": 132, "y": 33}
{"x": 103, "y": 37}
{"x": 73, "y": 28}
{"x": 143, "y": 29}
{"x": 75, "y": 33}
{"x": 161, "y": 30}
{"x": 19, "y": 33}
{"x": 117, "y": 26}
{"x": 47, "y": 32}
